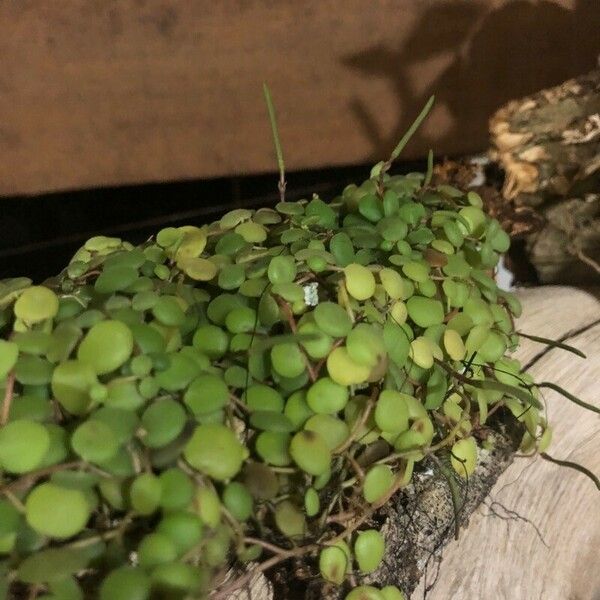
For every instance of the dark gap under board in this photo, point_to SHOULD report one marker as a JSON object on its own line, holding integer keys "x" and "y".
{"x": 38, "y": 235}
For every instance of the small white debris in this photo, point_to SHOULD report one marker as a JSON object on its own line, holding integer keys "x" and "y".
{"x": 311, "y": 294}
{"x": 478, "y": 163}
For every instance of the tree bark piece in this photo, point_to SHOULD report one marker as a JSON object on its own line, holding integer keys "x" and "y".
{"x": 499, "y": 554}
{"x": 549, "y": 143}
{"x": 549, "y": 146}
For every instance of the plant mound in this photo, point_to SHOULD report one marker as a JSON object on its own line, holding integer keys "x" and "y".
{"x": 249, "y": 391}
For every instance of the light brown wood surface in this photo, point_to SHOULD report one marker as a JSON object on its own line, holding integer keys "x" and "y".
{"x": 108, "y": 92}
{"x": 500, "y": 559}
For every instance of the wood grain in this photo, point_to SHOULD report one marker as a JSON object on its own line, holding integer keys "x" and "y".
{"x": 498, "y": 558}
{"x": 108, "y": 92}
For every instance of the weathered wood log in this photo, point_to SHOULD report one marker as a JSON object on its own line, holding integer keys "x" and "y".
{"x": 549, "y": 147}
{"x": 500, "y": 555}
{"x": 509, "y": 523}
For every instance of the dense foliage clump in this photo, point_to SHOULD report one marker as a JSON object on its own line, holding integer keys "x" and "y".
{"x": 249, "y": 390}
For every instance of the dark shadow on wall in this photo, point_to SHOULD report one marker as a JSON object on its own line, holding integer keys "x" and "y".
{"x": 487, "y": 57}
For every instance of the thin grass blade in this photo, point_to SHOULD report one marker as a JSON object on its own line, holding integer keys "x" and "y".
{"x": 411, "y": 130}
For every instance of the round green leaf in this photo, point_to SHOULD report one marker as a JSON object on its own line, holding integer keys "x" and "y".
{"x": 23, "y": 445}
{"x": 35, "y": 304}
{"x": 107, "y": 345}
{"x": 326, "y": 396}
{"x": 56, "y": 511}
{"x": 332, "y": 319}
{"x": 162, "y": 421}
{"x": 215, "y": 451}
{"x": 310, "y": 452}
{"x": 369, "y": 549}
{"x": 125, "y": 583}
{"x": 95, "y": 441}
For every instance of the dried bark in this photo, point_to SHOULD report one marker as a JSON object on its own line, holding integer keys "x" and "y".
{"x": 548, "y": 145}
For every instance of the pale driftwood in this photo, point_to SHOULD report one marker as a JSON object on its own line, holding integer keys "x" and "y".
{"x": 498, "y": 558}
{"x": 500, "y": 555}
{"x": 548, "y": 144}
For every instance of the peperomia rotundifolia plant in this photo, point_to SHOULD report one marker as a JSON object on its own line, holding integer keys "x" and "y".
{"x": 252, "y": 390}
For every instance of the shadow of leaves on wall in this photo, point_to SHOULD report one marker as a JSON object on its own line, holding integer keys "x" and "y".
{"x": 475, "y": 59}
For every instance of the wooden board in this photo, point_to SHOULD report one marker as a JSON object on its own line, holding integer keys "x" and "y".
{"x": 502, "y": 559}
{"x": 108, "y": 92}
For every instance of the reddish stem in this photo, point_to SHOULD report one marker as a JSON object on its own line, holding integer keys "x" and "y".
{"x": 8, "y": 396}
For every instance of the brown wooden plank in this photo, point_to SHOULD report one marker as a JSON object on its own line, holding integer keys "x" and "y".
{"x": 108, "y": 92}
